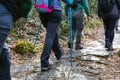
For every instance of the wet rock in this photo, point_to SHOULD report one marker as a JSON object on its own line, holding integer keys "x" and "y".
{"x": 90, "y": 58}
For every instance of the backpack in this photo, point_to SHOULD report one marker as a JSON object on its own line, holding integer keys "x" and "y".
{"x": 106, "y": 5}
{"x": 44, "y": 6}
{"x": 118, "y": 4}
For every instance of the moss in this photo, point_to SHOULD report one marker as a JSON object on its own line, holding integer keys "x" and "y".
{"x": 41, "y": 47}
{"x": 23, "y": 47}
{"x": 118, "y": 53}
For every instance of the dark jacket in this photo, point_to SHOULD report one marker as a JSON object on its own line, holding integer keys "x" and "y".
{"x": 114, "y": 11}
{"x": 18, "y": 8}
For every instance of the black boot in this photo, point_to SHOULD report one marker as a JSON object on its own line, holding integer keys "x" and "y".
{"x": 110, "y": 47}
{"x": 106, "y": 43}
{"x": 106, "y": 46}
{"x": 78, "y": 47}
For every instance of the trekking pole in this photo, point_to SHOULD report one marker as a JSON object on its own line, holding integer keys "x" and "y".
{"x": 36, "y": 39}
{"x": 68, "y": 15}
{"x": 71, "y": 36}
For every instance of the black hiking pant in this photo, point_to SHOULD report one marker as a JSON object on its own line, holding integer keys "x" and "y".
{"x": 51, "y": 22}
{"x": 109, "y": 22}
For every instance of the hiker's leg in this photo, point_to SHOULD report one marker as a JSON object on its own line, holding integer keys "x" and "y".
{"x": 111, "y": 28}
{"x": 109, "y": 22}
{"x": 52, "y": 26}
{"x": 5, "y": 62}
{"x": 6, "y": 21}
{"x": 79, "y": 16}
{"x": 44, "y": 17}
{"x": 106, "y": 24}
{"x": 56, "y": 48}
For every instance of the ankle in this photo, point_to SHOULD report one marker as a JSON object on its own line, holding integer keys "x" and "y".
{"x": 78, "y": 47}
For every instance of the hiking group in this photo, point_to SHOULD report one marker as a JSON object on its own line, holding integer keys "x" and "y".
{"x": 50, "y": 13}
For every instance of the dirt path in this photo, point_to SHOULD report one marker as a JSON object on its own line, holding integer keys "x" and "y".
{"x": 91, "y": 63}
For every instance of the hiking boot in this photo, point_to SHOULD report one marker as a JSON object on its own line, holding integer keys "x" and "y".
{"x": 106, "y": 46}
{"x": 107, "y": 43}
{"x": 50, "y": 66}
{"x": 78, "y": 48}
{"x": 110, "y": 48}
{"x": 62, "y": 53}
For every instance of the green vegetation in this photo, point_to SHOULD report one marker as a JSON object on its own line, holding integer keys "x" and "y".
{"x": 93, "y": 23}
{"x": 118, "y": 53}
{"x": 22, "y": 27}
{"x": 23, "y": 47}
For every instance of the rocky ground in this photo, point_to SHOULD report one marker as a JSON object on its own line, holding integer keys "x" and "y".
{"x": 91, "y": 63}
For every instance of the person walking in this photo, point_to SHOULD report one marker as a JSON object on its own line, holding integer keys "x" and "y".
{"x": 78, "y": 21}
{"x": 51, "y": 22}
{"x": 9, "y": 13}
{"x": 109, "y": 15}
